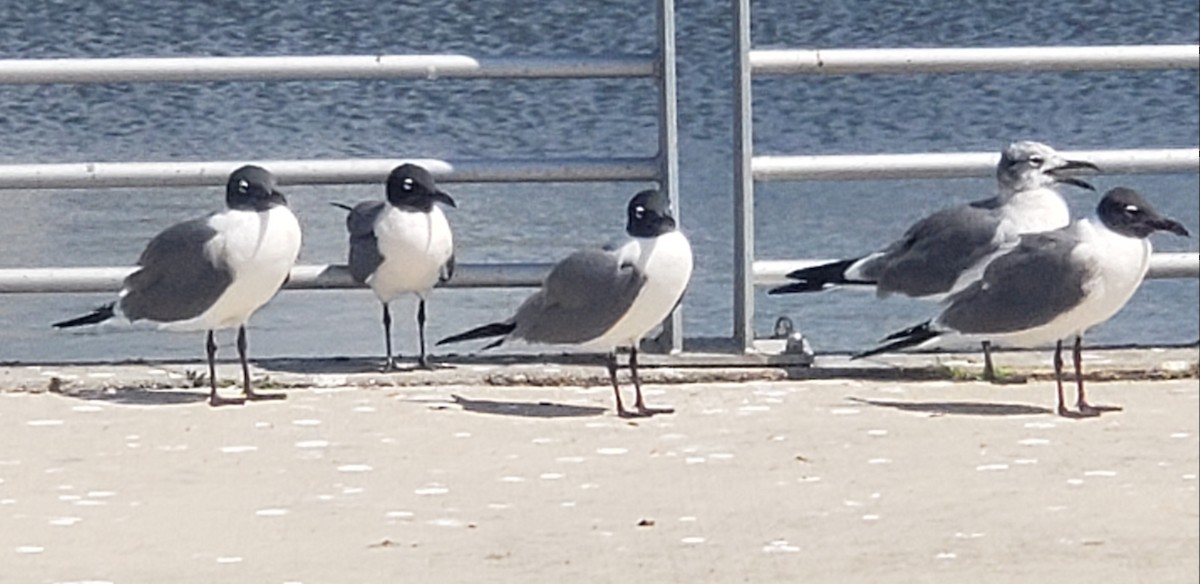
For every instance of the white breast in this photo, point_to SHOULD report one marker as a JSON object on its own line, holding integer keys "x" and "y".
{"x": 666, "y": 261}
{"x": 260, "y": 248}
{"x": 1036, "y": 210}
{"x": 414, "y": 247}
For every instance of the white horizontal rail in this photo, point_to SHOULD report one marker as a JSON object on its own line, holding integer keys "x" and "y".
{"x": 1162, "y": 265}
{"x": 958, "y": 165}
{"x": 970, "y": 60}
{"x": 346, "y": 171}
{"x": 329, "y": 67}
{"x": 304, "y": 277}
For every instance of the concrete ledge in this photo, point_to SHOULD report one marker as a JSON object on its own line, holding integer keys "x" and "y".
{"x": 555, "y": 370}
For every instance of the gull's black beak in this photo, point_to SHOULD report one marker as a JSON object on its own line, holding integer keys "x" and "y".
{"x": 1171, "y": 225}
{"x": 277, "y": 197}
{"x": 443, "y": 198}
{"x": 1074, "y": 165}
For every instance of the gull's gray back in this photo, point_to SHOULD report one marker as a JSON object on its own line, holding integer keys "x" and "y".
{"x": 364, "y": 247}
{"x": 1022, "y": 289}
{"x": 936, "y": 251}
{"x": 177, "y": 280}
{"x": 584, "y": 295}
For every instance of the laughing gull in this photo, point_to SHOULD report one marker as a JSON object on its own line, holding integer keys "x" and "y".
{"x": 602, "y": 299}
{"x": 947, "y": 250}
{"x": 213, "y": 272}
{"x": 1053, "y": 285}
{"x": 402, "y": 245}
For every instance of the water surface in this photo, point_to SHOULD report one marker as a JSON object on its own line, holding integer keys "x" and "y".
{"x": 470, "y": 119}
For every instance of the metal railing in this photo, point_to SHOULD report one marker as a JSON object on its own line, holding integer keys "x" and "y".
{"x": 308, "y": 68}
{"x": 749, "y": 168}
{"x": 85, "y": 175}
{"x": 662, "y": 168}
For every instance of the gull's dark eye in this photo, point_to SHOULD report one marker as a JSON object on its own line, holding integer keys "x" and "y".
{"x": 243, "y": 185}
{"x": 1037, "y": 160}
{"x": 639, "y": 212}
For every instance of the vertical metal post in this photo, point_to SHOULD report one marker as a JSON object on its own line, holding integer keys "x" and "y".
{"x": 671, "y": 339}
{"x": 743, "y": 182}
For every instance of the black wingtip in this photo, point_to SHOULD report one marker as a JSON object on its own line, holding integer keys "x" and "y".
{"x": 798, "y": 288}
{"x": 909, "y": 337}
{"x": 817, "y": 278}
{"x": 908, "y": 332}
{"x": 495, "y": 329}
{"x": 97, "y": 316}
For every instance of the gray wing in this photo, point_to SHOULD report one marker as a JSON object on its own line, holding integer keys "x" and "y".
{"x": 935, "y": 251}
{"x": 584, "y": 295}
{"x": 447, "y": 270}
{"x": 177, "y": 279}
{"x": 364, "y": 247}
{"x": 1024, "y": 288}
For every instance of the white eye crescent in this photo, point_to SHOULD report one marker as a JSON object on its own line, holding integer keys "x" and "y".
{"x": 408, "y": 184}
{"x": 1132, "y": 209}
{"x": 243, "y": 185}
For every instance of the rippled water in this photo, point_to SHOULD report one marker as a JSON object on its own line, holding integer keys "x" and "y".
{"x": 463, "y": 119}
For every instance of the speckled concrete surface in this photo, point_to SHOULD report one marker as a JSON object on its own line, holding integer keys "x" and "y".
{"x": 585, "y": 370}
{"x": 819, "y": 480}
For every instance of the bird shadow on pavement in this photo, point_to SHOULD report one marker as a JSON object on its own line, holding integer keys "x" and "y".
{"x": 140, "y": 396}
{"x": 957, "y": 408}
{"x": 347, "y": 365}
{"x": 441, "y": 362}
{"x": 540, "y": 409}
